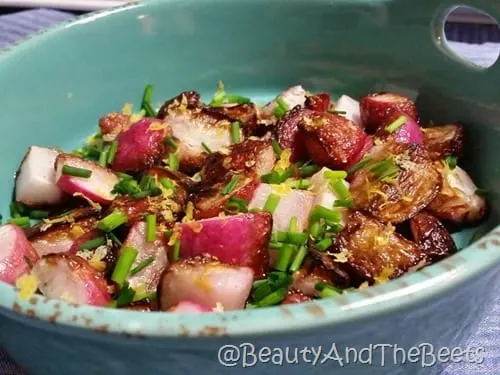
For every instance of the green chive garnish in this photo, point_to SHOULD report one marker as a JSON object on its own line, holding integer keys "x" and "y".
{"x": 173, "y": 162}
{"x": 384, "y": 169}
{"x": 167, "y": 183}
{"x": 171, "y": 142}
{"x": 143, "y": 264}
{"x": 334, "y": 175}
{"x": 391, "y": 128}
{"x": 124, "y": 264}
{"x": 238, "y": 99}
{"x": 1, "y": 218}
{"x": 275, "y": 245}
{"x": 103, "y": 158}
{"x": 271, "y": 203}
{"x": 38, "y": 214}
{"x": 308, "y": 170}
{"x": 229, "y": 188}
{"x": 324, "y": 244}
{"x": 315, "y": 229}
{"x": 299, "y": 259}
{"x": 335, "y": 112}
{"x": 279, "y": 236}
{"x": 112, "y": 221}
{"x": 235, "y": 206}
{"x": 125, "y": 296}
{"x": 273, "y": 299}
{"x": 451, "y": 161}
{"x": 146, "y": 101}
{"x": 346, "y": 203}
{"x": 277, "y": 148}
{"x": 235, "y": 132}
{"x": 481, "y": 192}
{"x": 76, "y": 172}
{"x": 15, "y": 209}
{"x": 281, "y": 108}
{"x": 320, "y": 212}
{"x": 271, "y": 178}
{"x": 360, "y": 164}
{"x": 115, "y": 239}
{"x": 301, "y": 184}
{"x": 92, "y": 244}
{"x": 286, "y": 253}
{"x": 327, "y": 290}
{"x": 293, "y": 224}
{"x": 23, "y": 221}
{"x": 341, "y": 189}
{"x": 296, "y": 238}
{"x": 152, "y": 296}
{"x": 112, "y": 151}
{"x": 177, "y": 250}
{"x": 206, "y": 148}
{"x": 150, "y": 228}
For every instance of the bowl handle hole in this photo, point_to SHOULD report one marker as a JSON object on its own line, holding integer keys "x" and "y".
{"x": 469, "y": 35}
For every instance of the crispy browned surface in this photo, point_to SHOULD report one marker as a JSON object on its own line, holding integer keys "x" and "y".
{"x": 431, "y": 236}
{"x": 444, "y": 140}
{"x": 191, "y": 99}
{"x": 63, "y": 231}
{"x": 249, "y": 160}
{"x": 114, "y": 123}
{"x": 246, "y": 114}
{"x": 290, "y": 136}
{"x": 454, "y": 203}
{"x": 380, "y": 109}
{"x": 331, "y": 140}
{"x": 319, "y": 267}
{"x": 319, "y": 102}
{"x": 397, "y": 199}
{"x": 374, "y": 251}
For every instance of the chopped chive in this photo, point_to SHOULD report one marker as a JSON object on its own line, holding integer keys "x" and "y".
{"x": 103, "y": 158}
{"x": 258, "y": 283}
{"x": 112, "y": 221}
{"x": 235, "y": 206}
{"x": 146, "y": 182}
{"x": 76, "y": 172}
{"x": 481, "y": 192}
{"x": 451, "y": 161}
{"x": 124, "y": 176}
{"x": 289, "y": 172}
{"x": 341, "y": 189}
{"x": 315, "y": 229}
{"x": 297, "y": 238}
{"x": 346, "y": 203}
{"x": 206, "y": 148}
{"x": 324, "y": 244}
{"x": 143, "y": 264}
{"x": 92, "y": 244}
{"x": 1, "y": 218}
{"x": 308, "y": 170}
{"x": 385, "y": 168}
{"x": 152, "y": 296}
{"x": 327, "y": 290}
{"x": 124, "y": 264}
{"x": 271, "y": 203}
{"x": 229, "y": 188}
{"x": 28, "y": 261}
{"x": 276, "y": 245}
{"x": 177, "y": 250}
{"x": 392, "y": 127}
{"x": 277, "y": 148}
{"x": 219, "y": 94}
{"x": 115, "y": 239}
{"x": 235, "y": 132}
{"x": 334, "y": 227}
{"x": 148, "y": 92}
{"x": 279, "y": 236}
{"x": 173, "y": 162}
{"x": 23, "y": 221}
{"x": 286, "y": 253}
{"x": 150, "y": 228}
{"x": 335, "y": 112}
{"x": 301, "y": 184}
{"x": 320, "y": 212}
{"x": 282, "y": 107}
{"x": 38, "y": 214}
{"x": 15, "y": 209}
{"x": 293, "y": 224}
{"x": 146, "y": 101}
{"x": 112, "y": 152}
{"x": 141, "y": 195}
{"x": 360, "y": 164}
{"x": 125, "y": 296}
{"x": 167, "y": 183}
{"x": 230, "y": 99}
{"x": 333, "y": 175}
{"x": 169, "y": 140}
{"x": 271, "y": 178}
{"x": 273, "y": 299}
{"x": 168, "y": 233}
{"x": 299, "y": 259}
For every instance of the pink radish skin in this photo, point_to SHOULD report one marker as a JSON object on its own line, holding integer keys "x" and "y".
{"x": 207, "y": 282}
{"x": 140, "y": 146}
{"x": 148, "y": 277}
{"x": 72, "y": 279}
{"x": 239, "y": 240}
{"x": 97, "y": 187}
{"x": 188, "y": 307}
{"x": 15, "y": 249}
{"x": 410, "y": 132}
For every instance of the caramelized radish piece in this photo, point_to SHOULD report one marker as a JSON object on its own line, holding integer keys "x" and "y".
{"x": 15, "y": 253}
{"x": 319, "y": 102}
{"x": 351, "y": 108}
{"x": 97, "y": 187}
{"x": 149, "y": 277}
{"x": 71, "y": 279}
{"x": 205, "y": 281}
{"x": 289, "y": 134}
{"x": 140, "y": 146}
{"x": 296, "y": 203}
{"x": 113, "y": 124}
{"x": 188, "y": 307}
{"x": 36, "y": 179}
{"x": 380, "y": 109}
{"x": 444, "y": 140}
{"x": 239, "y": 240}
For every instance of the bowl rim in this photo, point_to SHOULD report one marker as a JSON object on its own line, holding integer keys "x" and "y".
{"x": 403, "y": 293}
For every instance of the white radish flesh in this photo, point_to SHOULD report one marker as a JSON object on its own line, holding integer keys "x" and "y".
{"x": 351, "y": 108}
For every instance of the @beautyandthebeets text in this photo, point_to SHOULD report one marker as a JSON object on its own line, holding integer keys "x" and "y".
{"x": 426, "y": 355}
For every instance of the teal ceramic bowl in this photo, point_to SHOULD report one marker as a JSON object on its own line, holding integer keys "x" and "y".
{"x": 57, "y": 84}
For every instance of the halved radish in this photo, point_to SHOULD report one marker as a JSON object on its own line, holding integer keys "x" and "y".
{"x": 238, "y": 240}
{"x": 351, "y": 108}
{"x": 72, "y": 279}
{"x": 16, "y": 253}
{"x": 148, "y": 278}
{"x": 188, "y": 307}
{"x": 207, "y": 282}
{"x": 36, "y": 179}
{"x": 97, "y": 187}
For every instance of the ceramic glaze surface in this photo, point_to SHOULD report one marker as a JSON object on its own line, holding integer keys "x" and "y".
{"x": 59, "y": 83}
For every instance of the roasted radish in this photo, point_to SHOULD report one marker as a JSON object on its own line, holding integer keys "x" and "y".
{"x": 441, "y": 141}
